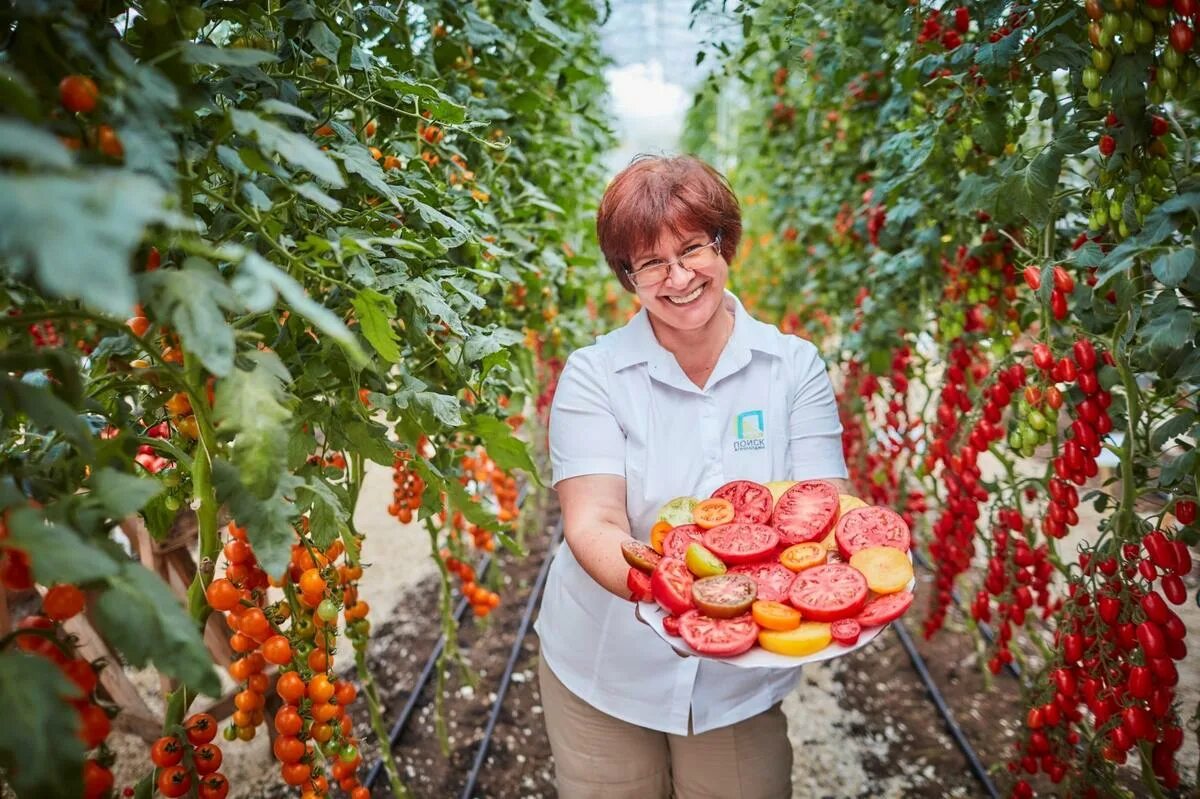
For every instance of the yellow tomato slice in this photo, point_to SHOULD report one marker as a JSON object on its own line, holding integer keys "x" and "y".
{"x": 712, "y": 512}
{"x": 778, "y": 487}
{"x": 701, "y": 562}
{"x": 774, "y": 615}
{"x": 847, "y": 503}
{"x": 658, "y": 534}
{"x": 799, "y": 557}
{"x": 809, "y": 637}
{"x": 887, "y": 569}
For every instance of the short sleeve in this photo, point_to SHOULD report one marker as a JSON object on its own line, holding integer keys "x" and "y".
{"x": 814, "y": 429}
{"x": 585, "y": 436}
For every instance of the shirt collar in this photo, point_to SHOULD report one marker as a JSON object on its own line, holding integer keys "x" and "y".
{"x": 637, "y": 344}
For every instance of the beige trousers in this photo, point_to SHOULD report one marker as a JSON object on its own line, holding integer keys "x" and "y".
{"x": 597, "y": 756}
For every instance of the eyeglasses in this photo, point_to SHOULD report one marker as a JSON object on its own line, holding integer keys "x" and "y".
{"x": 693, "y": 258}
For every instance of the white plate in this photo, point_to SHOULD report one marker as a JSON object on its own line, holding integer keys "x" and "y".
{"x": 757, "y": 658}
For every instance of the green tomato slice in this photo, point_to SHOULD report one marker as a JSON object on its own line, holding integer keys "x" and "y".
{"x": 678, "y": 511}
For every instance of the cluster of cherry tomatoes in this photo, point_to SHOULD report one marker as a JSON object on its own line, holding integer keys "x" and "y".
{"x": 947, "y": 33}
{"x": 187, "y": 760}
{"x": 79, "y": 95}
{"x": 406, "y": 495}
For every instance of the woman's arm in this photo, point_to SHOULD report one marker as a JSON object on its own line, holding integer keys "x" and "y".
{"x": 595, "y": 523}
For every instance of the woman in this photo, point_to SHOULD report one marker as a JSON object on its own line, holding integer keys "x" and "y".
{"x": 690, "y": 394}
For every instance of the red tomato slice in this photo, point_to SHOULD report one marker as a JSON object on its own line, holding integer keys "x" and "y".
{"x": 828, "y": 593}
{"x": 806, "y": 512}
{"x": 885, "y": 608}
{"x": 671, "y": 625}
{"x": 724, "y": 596}
{"x": 638, "y": 583}
{"x": 751, "y": 501}
{"x": 845, "y": 631}
{"x": 773, "y": 579}
{"x": 671, "y": 585}
{"x": 676, "y": 543}
{"x": 741, "y": 542}
{"x": 718, "y": 637}
{"x": 873, "y": 526}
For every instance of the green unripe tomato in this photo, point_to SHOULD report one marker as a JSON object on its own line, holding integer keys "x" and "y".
{"x": 1155, "y": 94}
{"x": 1155, "y": 14}
{"x": 305, "y": 628}
{"x": 1111, "y": 23}
{"x": 1014, "y": 440}
{"x": 1172, "y": 58}
{"x": 1101, "y": 216}
{"x": 1166, "y": 78}
{"x": 1126, "y": 21}
{"x": 361, "y": 628}
{"x": 156, "y": 12}
{"x": 230, "y": 733}
{"x": 348, "y": 752}
{"x": 1123, "y": 229}
{"x": 1162, "y": 168}
{"x": 1128, "y": 45}
{"x": 1114, "y": 210}
{"x": 1102, "y": 60}
{"x": 1095, "y": 99}
{"x": 1143, "y": 31}
{"x": 1091, "y": 78}
{"x": 1036, "y": 420}
{"x": 1097, "y": 198}
{"x": 327, "y": 610}
{"x": 1120, "y": 191}
{"x": 171, "y": 502}
{"x": 1144, "y": 203}
{"x": 192, "y": 19}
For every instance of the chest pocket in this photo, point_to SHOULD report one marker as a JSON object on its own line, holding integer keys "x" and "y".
{"x": 756, "y": 441}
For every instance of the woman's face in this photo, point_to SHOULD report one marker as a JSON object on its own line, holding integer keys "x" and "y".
{"x": 688, "y": 296}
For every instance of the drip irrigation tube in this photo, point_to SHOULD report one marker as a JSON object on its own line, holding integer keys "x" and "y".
{"x": 513, "y": 655}
{"x": 940, "y": 702}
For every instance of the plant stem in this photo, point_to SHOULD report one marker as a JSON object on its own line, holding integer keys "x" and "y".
{"x": 373, "y": 706}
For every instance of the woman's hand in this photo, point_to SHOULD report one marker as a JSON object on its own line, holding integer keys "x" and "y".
{"x": 595, "y": 523}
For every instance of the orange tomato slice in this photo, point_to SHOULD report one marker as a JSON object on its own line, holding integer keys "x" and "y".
{"x": 774, "y": 615}
{"x": 712, "y": 512}
{"x": 799, "y": 557}
{"x": 658, "y": 534}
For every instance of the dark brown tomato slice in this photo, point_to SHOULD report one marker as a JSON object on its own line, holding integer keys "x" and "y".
{"x": 828, "y": 593}
{"x": 773, "y": 579}
{"x": 638, "y": 583}
{"x": 805, "y": 512}
{"x": 676, "y": 543}
{"x": 885, "y": 608}
{"x": 640, "y": 556}
{"x": 741, "y": 542}
{"x": 671, "y": 585}
{"x": 752, "y": 502}
{"x": 671, "y": 625}
{"x": 872, "y": 526}
{"x": 725, "y": 595}
{"x": 718, "y": 637}
{"x": 845, "y": 631}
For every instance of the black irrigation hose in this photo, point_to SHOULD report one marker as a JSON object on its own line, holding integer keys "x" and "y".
{"x": 940, "y": 702}
{"x": 518, "y": 643}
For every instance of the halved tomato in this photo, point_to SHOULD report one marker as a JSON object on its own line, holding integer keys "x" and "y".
{"x": 884, "y": 608}
{"x": 718, "y": 637}
{"x": 711, "y": 512}
{"x": 671, "y": 585}
{"x": 805, "y": 512}
{"x": 845, "y": 631}
{"x": 701, "y": 562}
{"x": 671, "y": 625}
{"x": 741, "y": 542}
{"x": 725, "y": 595}
{"x": 752, "y": 502}
{"x": 676, "y": 543}
{"x": 774, "y": 615}
{"x": 774, "y": 580}
{"x": 639, "y": 556}
{"x": 799, "y": 557}
{"x": 809, "y": 637}
{"x": 828, "y": 593}
{"x": 638, "y": 583}
{"x": 872, "y": 526}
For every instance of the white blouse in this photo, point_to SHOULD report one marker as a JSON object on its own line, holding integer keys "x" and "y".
{"x": 624, "y": 406}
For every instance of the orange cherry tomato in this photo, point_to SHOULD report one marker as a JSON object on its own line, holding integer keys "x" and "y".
{"x": 288, "y": 749}
{"x": 200, "y": 727}
{"x": 713, "y": 512}
{"x": 223, "y": 595}
{"x": 288, "y": 721}
{"x": 774, "y": 615}
{"x": 320, "y": 689}
{"x": 78, "y": 94}
{"x": 290, "y": 687}
{"x": 277, "y": 649}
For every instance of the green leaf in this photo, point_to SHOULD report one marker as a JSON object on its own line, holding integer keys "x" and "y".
{"x": 20, "y": 141}
{"x": 327, "y": 512}
{"x": 225, "y": 56}
{"x": 324, "y": 41}
{"x": 59, "y": 554}
{"x": 442, "y": 107}
{"x": 1167, "y": 331}
{"x": 370, "y": 441}
{"x": 1177, "y": 425}
{"x": 249, "y": 408}
{"x": 359, "y": 161}
{"x": 481, "y": 345}
{"x": 267, "y": 522}
{"x": 375, "y": 312}
{"x": 46, "y": 411}
{"x": 460, "y": 232}
{"x": 77, "y": 235}
{"x": 292, "y": 147}
{"x": 194, "y": 300}
{"x": 1029, "y": 190}
{"x": 40, "y": 751}
{"x": 445, "y": 408}
{"x": 1173, "y": 268}
{"x": 508, "y": 451}
{"x": 313, "y": 192}
{"x": 122, "y": 494}
{"x": 431, "y": 300}
{"x": 140, "y": 616}
{"x": 273, "y": 106}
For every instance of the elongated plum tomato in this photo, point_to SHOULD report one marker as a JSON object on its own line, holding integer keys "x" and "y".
{"x": 741, "y": 542}
{"x": 774, "y": 580}
{"x": 805, "y": 512}
{"x": 725, "y": 595}
{"x": 639, "y": 556}
{"x": 671, "y": 585}
{"x": 870, "y": 527}
{"x": 718, "y": 637}
{"x": 830, "y": 592}
{"x": 752, "y": 502}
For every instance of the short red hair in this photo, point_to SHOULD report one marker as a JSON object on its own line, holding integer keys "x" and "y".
{"x": 656, "y": 193}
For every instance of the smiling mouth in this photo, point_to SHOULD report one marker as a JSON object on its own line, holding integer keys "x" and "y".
{"x": 687, "y": 298}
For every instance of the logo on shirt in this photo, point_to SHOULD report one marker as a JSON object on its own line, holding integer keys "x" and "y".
{"x": 751, "y": 431}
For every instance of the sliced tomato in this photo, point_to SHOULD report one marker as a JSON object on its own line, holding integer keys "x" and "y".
{"x": 676, "y": 543}
{"x": 701, "y": 562}
{"x": 724, "y": 595}
{"x": 774, "y": 580}
{"x": 658, "y": 534}
{"x": 741, "y": 542}
{"x": 671, "y": 625}
{"x": 845, "y": 631}
{"x": 752, "y": 502}
{"x": 809, "y": 637}
{"x": 774, "y": 615}
{"x": 718, "y": 637}
{"x": 885, "y": 608}
{"x": 799, "y": 557}
{"x": 638, "y": 583}
{"x": 828, "y": 593}
{"x": 640, "y": 556}
{"x": 872, "y": 526}
{"x": 671, "y": 585}
{"x": 712, "y": 512}
{"x": 678, "y": 511}
{"x": 805, "y": 512}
